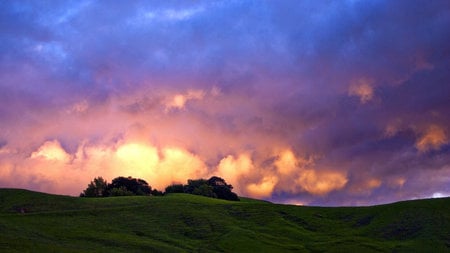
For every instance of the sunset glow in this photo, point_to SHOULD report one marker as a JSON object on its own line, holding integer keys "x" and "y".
{"x": 311, "y": 102}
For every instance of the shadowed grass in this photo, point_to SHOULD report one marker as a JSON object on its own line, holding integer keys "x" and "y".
{"x": 38, "y": 222}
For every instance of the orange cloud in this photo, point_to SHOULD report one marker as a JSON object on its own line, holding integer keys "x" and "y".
{"x": 159, "y": 167}
{"x": 297, "y": 174}
{"x": 373, "y": 183}
{"x": 178, "y": 165}
{"x": 365, "y": 186}
{"x": 397, "y": 182}
{"x": 433, "y": 138}
{"x": 363, "y": 89}
{"x": 321, "y": 182}
{"x": 52, "y": 151}
{"x": 135, "y": 159}
{"x": 253, "y": 181}
{"x": 233, "y": 169}
{"x": 5, "y": 170}
{"x": 264, "y": 188}
{"x": 286, "y": 162}
{"x": 51, "y": 169}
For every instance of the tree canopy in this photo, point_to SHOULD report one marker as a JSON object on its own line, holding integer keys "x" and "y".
{"x": 96, "y": 188}
{"x": 120, "y": 186}
{"x": 215, "y": 187}
{"x": 135, "y": 186}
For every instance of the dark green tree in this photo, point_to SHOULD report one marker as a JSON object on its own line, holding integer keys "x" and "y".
{"x": 175, "y": 188}
{"x": 155, "y": 192}
{"x": 215, "y": 187}
{"x": 193, "y": 184}
{"x": 204, "y": 190}
{"x": 136, "y": 186}
{"x": 121, "y": 191}
{"x": 221, "y": 189}
{"x": 96, "y": 188}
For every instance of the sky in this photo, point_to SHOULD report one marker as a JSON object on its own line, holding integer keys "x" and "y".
{"x": 324, "y": 103}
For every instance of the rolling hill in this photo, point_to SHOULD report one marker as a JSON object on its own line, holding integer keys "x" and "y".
{"x": 39, "y": 222}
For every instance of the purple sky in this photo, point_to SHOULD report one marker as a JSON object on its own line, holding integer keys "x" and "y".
{"x": 303, "y": 102}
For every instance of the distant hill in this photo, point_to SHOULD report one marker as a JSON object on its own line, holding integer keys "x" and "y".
{"x": 38, "y": 222}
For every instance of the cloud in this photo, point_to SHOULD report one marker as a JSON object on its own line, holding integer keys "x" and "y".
{"x": 178, "y": 165}
{"x": 264, "y": 188}
{"x": 235, "y": 169}
{"x": 169, "y": 14}
{"x": 58, "y": 171}
{"x": 433, "y": 138}
{"x": 365, "y": 187}
{"x": 321, "y": 183}
{"x": 6, "y": 170}
{"x": 293, "y": 175}
{"x": 51, "y": 151}
{"x": 363, "y": 89}
{"x": 392, "y": 128}
{"x": 178, "y": 101}
{"x": 299, "y": 174}
{"x": 261, "y": 93}
{"x": 181, "y": 14}
{"x": 78, "y": 107}
{"x": 286, "y": 163}
{"x": 136, "y": 159}
{"x": 160, "y": 167}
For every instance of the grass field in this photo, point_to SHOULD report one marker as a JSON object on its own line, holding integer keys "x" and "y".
{"x": 38, "y": 222}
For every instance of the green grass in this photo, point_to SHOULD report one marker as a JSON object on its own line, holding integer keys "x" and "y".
{"x": 189, "y": 223}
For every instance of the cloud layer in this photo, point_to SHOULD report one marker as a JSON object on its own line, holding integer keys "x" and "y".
{"x": 336, "y": 103}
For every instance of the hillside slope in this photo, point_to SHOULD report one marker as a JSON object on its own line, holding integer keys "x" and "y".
{"x": 38, "y": 222}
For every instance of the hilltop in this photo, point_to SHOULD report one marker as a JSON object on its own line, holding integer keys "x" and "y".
{"x": 39, "y": 222}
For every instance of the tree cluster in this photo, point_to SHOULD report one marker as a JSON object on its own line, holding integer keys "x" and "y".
{"x": 215, "y": 187}
{"x": 120, "y": 186}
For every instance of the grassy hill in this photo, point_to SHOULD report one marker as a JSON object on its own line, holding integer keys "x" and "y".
{"x": 38, "y": 222}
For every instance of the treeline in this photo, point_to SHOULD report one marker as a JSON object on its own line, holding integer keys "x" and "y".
{"x": 120, "y": 186}
{"x": 215, "y": 187}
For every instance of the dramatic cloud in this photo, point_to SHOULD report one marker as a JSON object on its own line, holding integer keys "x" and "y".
{"x": 321, "y": 103}
{"x": 300, "y": 174}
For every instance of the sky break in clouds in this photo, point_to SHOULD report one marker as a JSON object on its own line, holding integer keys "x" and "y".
{"x": 303, "y": 102}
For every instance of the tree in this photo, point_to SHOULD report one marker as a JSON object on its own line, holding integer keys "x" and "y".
{"x": 194, "y": 184}
{"x": 121, "y": 191}
{"x": 219, "y": 182}
{"x": 221, "y": 189}
{"x": 215, "y": 187}
{"x": 136, "y": 186}
{"x": 175, "y": 188}
{"x": 96, "y": 188}
{"x": 155, "y": 192}
{"x": 204, "y": 190}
